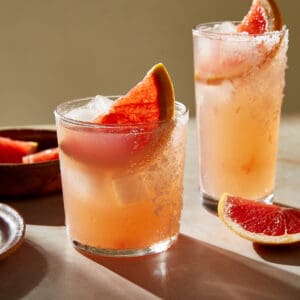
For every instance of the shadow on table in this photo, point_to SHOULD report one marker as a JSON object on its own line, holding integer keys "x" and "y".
{"x": 21, "y": 272}
{"x": 192, "y": 269}
{"x": 43, "y": 210}
{"x": 285, "y": 255}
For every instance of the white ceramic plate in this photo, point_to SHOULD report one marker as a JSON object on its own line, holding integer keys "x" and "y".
{"x": 12, "y": 230}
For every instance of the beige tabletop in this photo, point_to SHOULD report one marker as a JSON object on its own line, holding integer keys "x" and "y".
{"x": 207, "y": 261}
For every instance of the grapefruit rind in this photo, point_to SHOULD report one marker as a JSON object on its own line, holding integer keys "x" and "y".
{"x": 259, "y": 238}
{"x": 276, "y": 20}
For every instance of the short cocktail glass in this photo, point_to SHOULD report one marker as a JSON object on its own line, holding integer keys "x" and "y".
{"x": 122, "y": 184}
{"x": 239, "y": 83}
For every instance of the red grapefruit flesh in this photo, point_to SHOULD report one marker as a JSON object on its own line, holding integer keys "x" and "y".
{"x": 263, "y": 16}
{"x": 151, "y": 100}
{"x": 12, "y": 151}
{"x": 259, "y": 222}
{"x": 41, "y": 156}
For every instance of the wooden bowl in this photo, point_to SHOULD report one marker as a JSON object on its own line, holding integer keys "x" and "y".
{"x": 17, "y": 179}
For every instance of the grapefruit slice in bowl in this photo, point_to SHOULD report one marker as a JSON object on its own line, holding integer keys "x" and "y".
{"x": 258, "y": 222}
{"x": 12, "y": 150}
{"x": 18, "y": 179}
{"x": 41, "y": 156}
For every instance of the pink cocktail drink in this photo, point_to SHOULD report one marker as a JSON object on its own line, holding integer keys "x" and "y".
{"x": 122, "y": 184}
{"x": 239, "y": 83}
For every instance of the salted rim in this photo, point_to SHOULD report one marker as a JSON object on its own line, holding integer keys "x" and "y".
{"x": 206, "y": 29}
{"x": 180, "y": 111}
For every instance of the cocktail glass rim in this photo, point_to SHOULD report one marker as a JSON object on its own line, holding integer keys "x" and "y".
{"x": 180, "y": 111}
{"x": 207, "y": 30}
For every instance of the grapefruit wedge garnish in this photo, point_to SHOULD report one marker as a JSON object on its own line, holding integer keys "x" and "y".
{"x": 260, "y": 222}
{"x": 137, "y": 125}
{"x": 263, "y": 16}
{"x": 234, "y": 59}
{"x": 150, "y": 101}
{"x": 147, "y": 104}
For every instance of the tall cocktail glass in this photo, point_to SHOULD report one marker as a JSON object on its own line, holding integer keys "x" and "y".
{"x": 239, "y": 83}
{"x": 122, "y": 184}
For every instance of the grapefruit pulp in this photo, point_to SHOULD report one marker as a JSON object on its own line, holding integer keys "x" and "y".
{"x": 263, "y": 16}
{"x": 12, "y": 151}
{"x": 259, "y": 222}
{"x": 151, "y": 100}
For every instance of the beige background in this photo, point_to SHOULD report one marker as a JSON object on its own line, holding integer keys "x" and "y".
{"x": 51, "y": 51}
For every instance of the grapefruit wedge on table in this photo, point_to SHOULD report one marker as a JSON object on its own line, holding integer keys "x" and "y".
{"x": 260, "y": 222}
{"x": 263, "y": 16}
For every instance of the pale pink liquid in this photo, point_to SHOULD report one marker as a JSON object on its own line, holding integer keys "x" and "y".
{"x": 238, "y": 115}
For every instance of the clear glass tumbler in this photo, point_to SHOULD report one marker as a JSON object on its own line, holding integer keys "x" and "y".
{"x": 239, "y": 83}
{"x": 122, "y": 184}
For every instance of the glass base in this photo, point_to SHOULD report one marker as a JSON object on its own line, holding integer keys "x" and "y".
{"x": 268, "y": 199}
{"x": 211, "y": 203}
{"x": 155, "y": 248}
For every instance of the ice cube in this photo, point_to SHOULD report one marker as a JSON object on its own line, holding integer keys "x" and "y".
{"x": 86, "y": 183}
{"x": 83, "y": 114}
{"x": 99, "y": 105}
{"x": 211, "y": 93}
{"x": 72, "y": 173}
{"x": 228, "y": 57}
{"x": 205, "y": 52}
{"x": 225, "y": 27}
{"x": 131, "y": 189}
